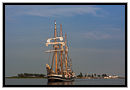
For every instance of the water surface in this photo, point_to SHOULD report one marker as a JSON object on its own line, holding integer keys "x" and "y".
{"x": 76, "y": 82}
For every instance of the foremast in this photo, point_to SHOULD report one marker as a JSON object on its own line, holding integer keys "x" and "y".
{"x": 55, "y": 47}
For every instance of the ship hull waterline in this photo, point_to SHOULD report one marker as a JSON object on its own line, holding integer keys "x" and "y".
{"x": 59, "y": 79}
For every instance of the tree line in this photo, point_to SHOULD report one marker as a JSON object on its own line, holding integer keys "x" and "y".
{"x": 30, "y": 75}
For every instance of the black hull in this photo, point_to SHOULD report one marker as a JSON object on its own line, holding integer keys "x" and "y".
{"x": 59, "y": 79}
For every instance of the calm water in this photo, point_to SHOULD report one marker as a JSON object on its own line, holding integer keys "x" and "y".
{"x": 76, "y": 82}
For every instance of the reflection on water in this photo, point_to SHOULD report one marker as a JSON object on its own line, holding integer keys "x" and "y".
{"x": 60, "y": 83}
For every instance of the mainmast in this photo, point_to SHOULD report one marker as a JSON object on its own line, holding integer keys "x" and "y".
{"x": 62, "y": 49}
{"x": 66, "y": 51}
{"x": 55, "y": 46}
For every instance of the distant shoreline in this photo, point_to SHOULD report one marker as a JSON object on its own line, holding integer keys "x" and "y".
{"x": 46, "y": 78}
{"x": 24, "y": 77}
{"x": 99, "y": 78}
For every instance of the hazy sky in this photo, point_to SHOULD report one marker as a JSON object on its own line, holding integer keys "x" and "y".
{"x": 95, "y": 33}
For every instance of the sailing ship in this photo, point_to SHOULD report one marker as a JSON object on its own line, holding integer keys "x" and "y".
{"x": 61, "y": 66}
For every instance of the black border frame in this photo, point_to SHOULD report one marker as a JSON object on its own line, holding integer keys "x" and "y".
{"x": 53, "y": 3}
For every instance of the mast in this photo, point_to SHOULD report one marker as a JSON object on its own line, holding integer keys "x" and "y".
{"x": 66, "y": 52}
{"x": 62, "y": 49}
{"x": 61, "y": 30}
{"x": 55, "y": 46}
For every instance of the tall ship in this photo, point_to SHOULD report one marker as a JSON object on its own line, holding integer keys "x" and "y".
{"x": 60, "y": 68}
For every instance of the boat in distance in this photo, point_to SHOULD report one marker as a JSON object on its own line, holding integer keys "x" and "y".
{"x": 60, "y": 68}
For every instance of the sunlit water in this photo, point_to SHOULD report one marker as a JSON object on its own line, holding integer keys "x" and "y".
{"x": 76, "y": 82}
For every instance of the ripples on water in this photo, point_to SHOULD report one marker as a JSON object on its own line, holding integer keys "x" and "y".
{"x": 76, "y": 82}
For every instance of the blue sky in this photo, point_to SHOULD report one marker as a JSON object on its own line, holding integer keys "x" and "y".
{"x": 96, "y": 37}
